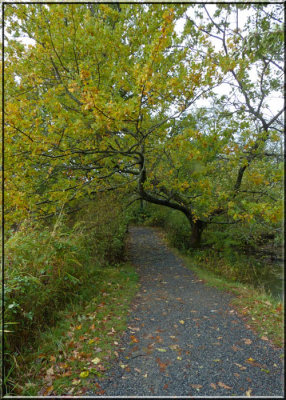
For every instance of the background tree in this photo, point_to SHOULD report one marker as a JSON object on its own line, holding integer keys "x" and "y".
{"x": 110, "y": 97}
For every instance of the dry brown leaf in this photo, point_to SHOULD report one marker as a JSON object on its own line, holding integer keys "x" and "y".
{"x": 50, "y": 371}
{"x": 213, "y": 385}
{"x": 247, "y": 341}
{"x": 133, "y": 328}
{"x": 196, "y": 386}
{"x": 48, "y": 390}
{"x": 223, "y": 385}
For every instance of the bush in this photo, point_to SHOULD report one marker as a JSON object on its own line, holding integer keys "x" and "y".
{"x": 46, "y": 265}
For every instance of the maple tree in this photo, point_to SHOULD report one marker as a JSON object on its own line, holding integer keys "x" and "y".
{"x": 109, "y": 97}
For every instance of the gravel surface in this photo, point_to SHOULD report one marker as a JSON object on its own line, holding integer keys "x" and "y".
{"x": 183, "y": 338}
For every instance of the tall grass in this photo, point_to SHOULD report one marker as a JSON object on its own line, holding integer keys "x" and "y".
{"x": 47, "y": 265}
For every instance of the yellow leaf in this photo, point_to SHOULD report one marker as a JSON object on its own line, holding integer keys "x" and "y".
{"x": 84, "y": 374}
{"x": 179, "y": 358}
{"x": 48, "y": 390}
{"x": 182, "y": 322}
{"x": 162, "y": 350}
{"x": 96, "y": 360}
{"x": 248, "y": 392}
{"x": 75, "y": 381}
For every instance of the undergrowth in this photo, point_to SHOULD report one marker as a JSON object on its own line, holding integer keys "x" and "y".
{"x": 50, "y": 265}
{"x": 84, "y": 340}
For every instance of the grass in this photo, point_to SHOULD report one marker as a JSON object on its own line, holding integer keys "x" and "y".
{"x": 81, "y": 345}
{"x": 260, "y": 311}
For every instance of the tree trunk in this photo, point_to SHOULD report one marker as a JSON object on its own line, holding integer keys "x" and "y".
{"x": 196, "y": 235}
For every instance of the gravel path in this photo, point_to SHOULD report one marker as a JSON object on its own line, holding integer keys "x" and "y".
{"x": 183, "y": 338}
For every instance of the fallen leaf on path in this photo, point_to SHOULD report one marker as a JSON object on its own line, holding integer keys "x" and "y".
{"x": 162, "y": 365}
{"x": 248, "y": 392}
{"x": 145, "y": 376}
{"x": 137, "y": 370}
{"x": 162, "y": 350}
{"x": 134, "y": 339}
{"x": 221, "y": 384}
{"x": 133, "y": 329}
{"x": 173, "y": 337}
{"x": 182, "y": 322}
{"x": 240, "y": 366}
{"x": 165, "y": 386}
{"x": 96, "y": 360}
{"x": 265, "y": 370}
{"x": 247, "y": 341}
{"x": 213, "y": 385}
{"x": 264, "y": 338}
{"x": 234, "y": 348}
{"x": 179, "y": 358}
{"x": 196, "y": 386}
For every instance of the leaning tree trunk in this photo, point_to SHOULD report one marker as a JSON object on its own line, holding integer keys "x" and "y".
{"x": 196, "y": 233}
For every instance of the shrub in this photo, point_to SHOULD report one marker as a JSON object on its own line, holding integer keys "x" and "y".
{"x": 46, "y": 264}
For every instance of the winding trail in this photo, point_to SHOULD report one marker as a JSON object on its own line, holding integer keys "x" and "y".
{"x": 183, "y": 337}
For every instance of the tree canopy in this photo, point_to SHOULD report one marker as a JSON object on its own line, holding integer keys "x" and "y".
{"x": 172, "y": 101}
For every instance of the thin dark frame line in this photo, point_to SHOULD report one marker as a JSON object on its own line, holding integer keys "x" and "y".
{"x": 2, "y": 217}
{"x": 146, "y": 2}
{"x": 3, "y": 118}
